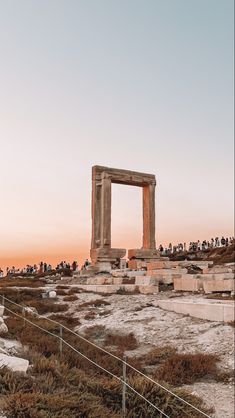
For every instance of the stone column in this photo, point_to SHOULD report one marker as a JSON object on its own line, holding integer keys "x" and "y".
{"x": 96, "y": 214}
{"x": 149, "y": 217}
{"x": 106, "y": 212}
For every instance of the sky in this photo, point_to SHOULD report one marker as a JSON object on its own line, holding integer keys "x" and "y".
{"x": 132, "y": 84}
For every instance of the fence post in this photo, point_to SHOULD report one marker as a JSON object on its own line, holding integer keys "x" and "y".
{"x": 23, "y": 313}
{"x": 61, "y": 342}
{"x": 124, "y": 388}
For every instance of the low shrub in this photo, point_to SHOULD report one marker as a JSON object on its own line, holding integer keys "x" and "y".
{"x": 95, "y": 303}
{"x": 122, "y": 341}
{"x": 95, "y": 332}
{"x": 157, "y": 355}
{"x": 181, "y": 369}
{"x": 62, "y": 286}
{"x": 68, "y": 321}
{"x": 47, "y": 305}
{"x": 17, "y": 282}
{"x": 90, "y": 315}
{"x": 68, "y": 386}
{"x": 61, "y": 292}
{"x": 73, "y": 290}
{"x": 70, "y": 298}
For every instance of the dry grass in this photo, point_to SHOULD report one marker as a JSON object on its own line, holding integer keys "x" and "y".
{"x": 70, "y": 298}
{"x": 95, "y": 332}
{"x": 68, "y": 386}
{"x": 21, "y": 295}
{"x": 74, "y": 290}
{"x": 158, "y": 355}
{"x": 61, "y": 292}
{"x": 68, "y": 321}
{"x": 29, "y": 282}
{"x": 62, "y": 286}
{"x": 95, "y": 303}
{"x": 122, "y": 341}
{"x": 53, "y": 389}
{"x": 181, "y": 369}
{"x": 47, "y": 305}
{"x": 90, "y": 315}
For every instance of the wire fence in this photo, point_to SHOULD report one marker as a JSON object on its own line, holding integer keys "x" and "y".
{"x": 125, "y": 364}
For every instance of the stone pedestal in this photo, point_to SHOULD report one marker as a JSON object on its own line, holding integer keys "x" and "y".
{"x": 103, "y": 258}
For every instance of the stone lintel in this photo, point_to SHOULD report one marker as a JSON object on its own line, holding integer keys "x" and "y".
{"x": 119, "y": 176}
{"x": 143, "y": 253}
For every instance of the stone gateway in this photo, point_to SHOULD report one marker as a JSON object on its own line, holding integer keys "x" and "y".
{"x": 102, "y": 254}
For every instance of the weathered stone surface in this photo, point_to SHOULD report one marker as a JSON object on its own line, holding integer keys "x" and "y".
{"x": 143, "y": 254}
{"x": 165, "y": 272}
{"x": 217, "y": 269}
{"x": 187, "y": 283}
{"x": 137, "y": 264}
{"x": 3, "y": 327}
{"x": 145, "y": 281}
{"x": 52, "y": 294}
{"x": 16, "y": 364}
{"x": 30, "y": 310}
{"x": 102, "y": 179}
{"x": 220, "y": 312}
{"x": 226, "y": 285}
{"x": 109, "y": 288}
{"x": 166, "y": 264}
{"x": 149, "y": 290}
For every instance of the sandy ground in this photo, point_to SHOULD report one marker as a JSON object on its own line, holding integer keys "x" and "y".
{"x": 156, "y": 327}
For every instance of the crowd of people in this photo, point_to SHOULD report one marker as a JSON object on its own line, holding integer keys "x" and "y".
{"x": 197, "y": 245}
{"x": 44, "y": 267}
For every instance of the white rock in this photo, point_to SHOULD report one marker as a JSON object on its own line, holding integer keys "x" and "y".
{"x": 16, "y": 364}
{"x": 52, "y": 294}
{"x": 31, "y": 311}
{"x": 3, "y": 327}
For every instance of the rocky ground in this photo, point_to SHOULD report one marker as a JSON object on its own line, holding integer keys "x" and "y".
{"x": 156, "y": 327}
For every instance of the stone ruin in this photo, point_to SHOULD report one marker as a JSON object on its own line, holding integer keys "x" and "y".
{"x": 103, "y": 256}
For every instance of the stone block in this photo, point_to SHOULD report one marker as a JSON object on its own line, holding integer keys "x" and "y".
{"x": 187, "y": 283}
{"x": 16, "y": 364}
{"x": 166, "y": 271}
{"x": 149, "y": 290}
{"x": 136, "y": 273}
{"x": 3, "y": 327}
{"x": 106, "y": 254}
{"x": 117, "y": 280}
{"x": 217, "y": 269}
{"x": 156, "y": 265}
{"x": 145, "y": 281}
{"x": 137, "y": 264}
{"x": 219, "y": 312}
{"x": 210, "y": 286}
